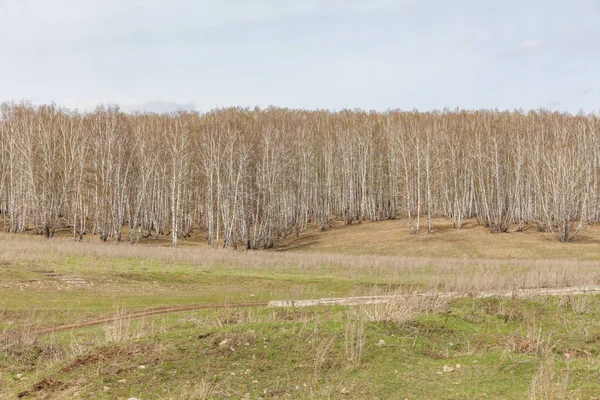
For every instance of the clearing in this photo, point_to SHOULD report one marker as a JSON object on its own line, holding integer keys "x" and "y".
{"x": 152, "y": 322}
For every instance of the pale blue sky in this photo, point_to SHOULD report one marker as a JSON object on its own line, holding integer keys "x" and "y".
{"x": 378, "y": 54}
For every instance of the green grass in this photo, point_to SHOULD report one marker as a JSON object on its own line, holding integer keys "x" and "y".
{"x": 291, "y": 353}
{"x": 134, "y": 285}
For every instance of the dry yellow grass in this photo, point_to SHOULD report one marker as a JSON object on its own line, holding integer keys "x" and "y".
{"x": 464, "y": 260}
{"x": 394, "y": 238}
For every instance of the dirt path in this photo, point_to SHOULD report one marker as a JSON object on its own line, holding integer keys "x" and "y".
{"x": 152, "y": 312}
{"x": 353, "y": 301}
{"x": 340, "y": 301}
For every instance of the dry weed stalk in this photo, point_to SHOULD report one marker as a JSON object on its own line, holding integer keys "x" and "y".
{"x": 547, "y": 384}
{"x": 124, "y": 329}
{"x": 401, "y": 309}
{"x": 355, "y": 341}
{"x": 322, "y": 354}
{"x": 531, "y": 340}
{"x": 20, "y": 343}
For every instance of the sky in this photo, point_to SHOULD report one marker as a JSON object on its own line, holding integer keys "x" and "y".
{"x": 167, "y": 55}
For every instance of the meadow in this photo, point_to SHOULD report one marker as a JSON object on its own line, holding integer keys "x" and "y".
{"x": 114, "y": 320}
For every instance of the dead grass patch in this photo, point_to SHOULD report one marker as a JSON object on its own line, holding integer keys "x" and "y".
{"x": 401, "y": 309}
{"x": 548, "y": 384}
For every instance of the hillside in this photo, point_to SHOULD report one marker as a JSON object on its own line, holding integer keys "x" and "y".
{"x": 77, "y": 317}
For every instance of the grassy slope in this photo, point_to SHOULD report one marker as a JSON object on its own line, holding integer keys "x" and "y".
{"x": 301, "y": 354}
{"x": 394, "y": 238}
{"x": 500, "y": 344}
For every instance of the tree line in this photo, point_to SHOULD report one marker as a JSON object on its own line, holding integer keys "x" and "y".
{"x": 246, "y": 177}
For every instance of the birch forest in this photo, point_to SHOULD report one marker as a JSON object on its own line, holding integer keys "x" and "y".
{"x": 244, "y": 178}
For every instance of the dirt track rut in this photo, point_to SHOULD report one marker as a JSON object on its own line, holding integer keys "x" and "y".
{"x": 341, "y": 301}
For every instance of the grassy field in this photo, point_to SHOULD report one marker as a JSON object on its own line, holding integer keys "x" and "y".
{"x": 543, "y": 347}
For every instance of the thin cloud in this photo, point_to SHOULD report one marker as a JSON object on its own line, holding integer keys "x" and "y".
{"x": 127, "y": 105}
{"x": 531, "y": 44}
{"x": 158, "y": 107}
